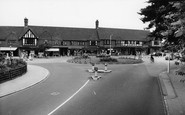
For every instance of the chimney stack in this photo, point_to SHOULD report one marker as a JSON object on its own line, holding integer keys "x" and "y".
{"x": 25, "y": 22}
{"x": 97, "y": 24}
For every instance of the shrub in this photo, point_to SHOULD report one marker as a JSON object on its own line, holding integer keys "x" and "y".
{"x": 182, "y": 59}
{"x": 85, "y": 56}
{"x": 2, "y": 57}
{"x": 103, "y": 56}
{"x": 108, "y": 59}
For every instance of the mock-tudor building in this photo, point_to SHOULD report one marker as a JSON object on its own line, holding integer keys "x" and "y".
{"x": 68, "y": 41}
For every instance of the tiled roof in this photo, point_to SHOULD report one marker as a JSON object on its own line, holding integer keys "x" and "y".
{"x": 123, "y": 34}
{"x": 10, "y": 32}
{"x": 65, "y": 33}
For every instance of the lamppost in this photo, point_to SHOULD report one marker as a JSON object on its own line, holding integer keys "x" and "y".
{"x": 110, "y": 44}
{"x": 10, "y": 52}
{"x": 170, "y": 57}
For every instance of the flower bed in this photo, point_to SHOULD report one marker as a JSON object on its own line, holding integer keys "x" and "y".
{"x": 108, "y": 60}
{"x": 12, "y": 68}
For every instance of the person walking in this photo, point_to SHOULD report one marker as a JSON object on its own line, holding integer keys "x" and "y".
{"x": 152, "y": 59}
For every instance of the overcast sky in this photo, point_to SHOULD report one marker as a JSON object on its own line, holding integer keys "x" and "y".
{"x": 73, "y": 13}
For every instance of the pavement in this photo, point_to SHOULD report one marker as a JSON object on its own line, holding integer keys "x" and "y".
{"x": 173, "y": 92}
{"x": 172, "y": 89}
{"x": 34, "y": 75}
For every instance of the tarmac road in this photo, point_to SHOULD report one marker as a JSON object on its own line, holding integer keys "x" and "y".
{"x": 128, "y": 90}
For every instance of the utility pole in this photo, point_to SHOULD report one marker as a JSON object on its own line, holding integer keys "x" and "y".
{"x": 110, "y": 45}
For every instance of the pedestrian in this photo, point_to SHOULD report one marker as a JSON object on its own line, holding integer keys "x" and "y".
{"x": 152, "y": 59}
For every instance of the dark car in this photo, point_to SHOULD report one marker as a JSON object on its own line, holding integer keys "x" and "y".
{"x": 157, "y": 54}
{"x": 177, "y": 56}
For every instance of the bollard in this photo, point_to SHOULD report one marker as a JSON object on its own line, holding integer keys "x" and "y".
{"x": 92, "y": 66}
{"x": 92, "y": 69}
{"x": 96, "y": 77}
{"x": 95, "y": 71}
{"x": 105, "y": 67}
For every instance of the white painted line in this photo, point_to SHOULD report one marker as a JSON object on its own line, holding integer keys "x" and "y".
{"x": 69, "y": 98}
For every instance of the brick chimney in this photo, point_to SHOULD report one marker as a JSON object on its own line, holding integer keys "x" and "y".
{"x": 25, "y": 22}
{"x": 97, "y": 24}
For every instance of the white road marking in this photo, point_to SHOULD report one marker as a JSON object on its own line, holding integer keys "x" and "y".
{"x": 94, "y": 92}
{"x": 55, "y": 93}
{"x": 69, "y": 98}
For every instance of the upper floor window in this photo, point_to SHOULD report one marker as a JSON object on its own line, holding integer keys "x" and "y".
{"x": 106, "y": 42}
{"x": 29, "y": 41}
{"x": 64, "y": 43}
{"x": 122, "y": 43}
{"x": 93, "y": 43}
{"x": 118, "y": 42}
{"x": 71, "y": 43}
{"x": 81, "y": 43}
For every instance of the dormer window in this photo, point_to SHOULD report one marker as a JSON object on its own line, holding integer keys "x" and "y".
{"x": 29, "y": 38}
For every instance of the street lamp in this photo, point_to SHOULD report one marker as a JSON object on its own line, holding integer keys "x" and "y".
{"x": 110, "y": 44}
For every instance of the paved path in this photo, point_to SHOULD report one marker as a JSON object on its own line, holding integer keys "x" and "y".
{"x": 34, "y": 75}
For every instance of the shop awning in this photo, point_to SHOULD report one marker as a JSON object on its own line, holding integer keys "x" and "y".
{"x": 8, "y": 48}
{"x": 52, "y": 49}
{"x": 75, "y": 47}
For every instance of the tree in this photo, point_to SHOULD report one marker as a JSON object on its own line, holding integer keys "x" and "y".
{"x": 44, "y": 46}
{"x": 166, "y": 17}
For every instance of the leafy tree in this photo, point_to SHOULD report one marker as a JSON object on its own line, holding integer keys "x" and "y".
{"x": 167, "y": 18}
{"x": 44, "y": 46}
{"x": 2, "y": 57}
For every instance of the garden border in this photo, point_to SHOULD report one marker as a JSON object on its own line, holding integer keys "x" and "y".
{"x": 12, "y": 73}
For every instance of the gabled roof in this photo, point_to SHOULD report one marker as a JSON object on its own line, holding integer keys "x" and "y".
{"x": 123, "y": 34}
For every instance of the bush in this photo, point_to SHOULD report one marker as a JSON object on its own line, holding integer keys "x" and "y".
{"x": 2, "y": 57}
{"x": 103, "y": 56}
{"x": 182, "y": 59}
{"x": 108, "y": 59}
{"x": 85, "y": 56}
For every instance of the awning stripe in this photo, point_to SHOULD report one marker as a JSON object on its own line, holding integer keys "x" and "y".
{"x": 8, "y": 48}
{"x": 53, "y": 49}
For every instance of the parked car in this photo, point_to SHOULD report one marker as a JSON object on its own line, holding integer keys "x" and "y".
{"x": 177, "y": 56}
{"x": 157, "y": 54}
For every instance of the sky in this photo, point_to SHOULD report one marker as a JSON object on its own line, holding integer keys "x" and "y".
{"x": 73, "y": 13}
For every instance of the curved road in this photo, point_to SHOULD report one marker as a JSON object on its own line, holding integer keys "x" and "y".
{"x": 128, "y": 90}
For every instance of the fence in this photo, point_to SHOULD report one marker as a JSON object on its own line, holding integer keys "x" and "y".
{"x": 12, "y": 73}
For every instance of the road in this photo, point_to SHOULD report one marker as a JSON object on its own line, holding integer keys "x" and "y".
{"x": 128, "y": 90}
